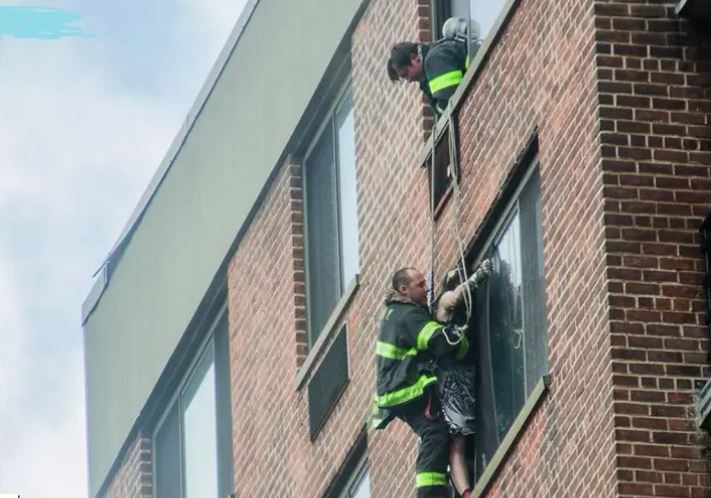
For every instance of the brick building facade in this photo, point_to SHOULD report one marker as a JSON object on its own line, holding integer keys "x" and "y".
{"x": 611, "y": 101}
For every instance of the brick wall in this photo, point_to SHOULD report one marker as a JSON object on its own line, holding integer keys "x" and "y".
{"x": 134, "y": 477}
{"x": 540, "y": 76}
{"x": 654, "y": 77}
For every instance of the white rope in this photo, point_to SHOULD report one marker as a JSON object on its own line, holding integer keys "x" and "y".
{"x": 433, "y": 225}
{"x": 462, "y": 266}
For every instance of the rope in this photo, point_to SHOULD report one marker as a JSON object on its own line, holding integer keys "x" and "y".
{"x": 433, "y": 225}
{"x": 462, "y": 266}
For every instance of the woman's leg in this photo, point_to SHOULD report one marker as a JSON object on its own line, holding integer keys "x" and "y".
{"x": 458, "y": 464}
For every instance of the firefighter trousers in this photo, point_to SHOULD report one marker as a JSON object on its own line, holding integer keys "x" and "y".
{"x": 432, "y": 453}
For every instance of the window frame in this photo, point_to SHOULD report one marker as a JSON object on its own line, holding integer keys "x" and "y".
{"x": 328, "y": 118}
{"x": 204, "y": 351}
{"x": 354, "y": 466}
{"x": 498, "y": 219}
{"x": 508, "y": 210}
{"x": 362, "y": 469}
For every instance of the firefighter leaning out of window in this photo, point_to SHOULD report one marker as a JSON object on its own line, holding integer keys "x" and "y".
{"x": 411, "y": 353}
{"x": 438, "y": 68}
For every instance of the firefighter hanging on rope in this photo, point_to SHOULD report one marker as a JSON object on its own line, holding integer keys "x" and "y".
{"x": 410, "y": 347}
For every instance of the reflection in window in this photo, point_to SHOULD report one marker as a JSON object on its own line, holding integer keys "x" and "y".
{"x": 201, "y": 436}
{"x": 361, "y": 489}
{"x": 510, "y": 321}
{"x": 347, "y": 190}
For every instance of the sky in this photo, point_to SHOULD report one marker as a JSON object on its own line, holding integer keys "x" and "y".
{"x": 87, "y": 112}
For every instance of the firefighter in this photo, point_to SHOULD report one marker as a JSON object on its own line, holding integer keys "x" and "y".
{"x": 409, "y": 342}
{"x": 437, "y": 68}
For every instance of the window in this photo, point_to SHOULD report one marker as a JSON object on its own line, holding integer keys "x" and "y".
{"x": 328, "y": 382}
{"x": 441, "y": 174}
{"x": 510, "y": 319}
{"x": 482, "y": 15}
{"x": 360, "y": 487}
{"x": 353, "y": 479}
{"x": 331, "y": 214}
{"x": 193, "y": 442}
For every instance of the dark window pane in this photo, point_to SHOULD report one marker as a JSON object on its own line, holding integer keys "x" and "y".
{"x": 328, "y": 382}
{"x": 347, "y": 191}
{"x": 167, "y": 457}
{"x": 506, "y": 326}
{"x": 533, "y": 290}
{"x": 224, "y": 407}
{"x": 324, "y": 287}
{"x": 442, "y": 178}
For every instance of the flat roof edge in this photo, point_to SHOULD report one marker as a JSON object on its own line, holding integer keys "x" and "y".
{"x": 97, "y": 290}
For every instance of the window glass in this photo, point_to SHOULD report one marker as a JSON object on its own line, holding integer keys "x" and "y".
{"x": 193, "y": 443}
{"x": 509, "y": 322}
{"x": 330, "y": 194}
{"x": 324, "y": 286}
{"x": 483, "y": 14}
{"x": 224, "y": 406}
{"x": 348, "y": 191}
{"x": 200, "y": 435}
{"x": 361, "y": 488}
{"x": 506, "y": 325}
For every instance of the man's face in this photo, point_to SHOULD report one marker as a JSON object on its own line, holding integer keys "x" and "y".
{"x": 413, "y": 71}
{"x": 416, "y": 289}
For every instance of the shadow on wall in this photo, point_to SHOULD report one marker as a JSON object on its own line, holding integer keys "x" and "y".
{"x": 39, "y": 22}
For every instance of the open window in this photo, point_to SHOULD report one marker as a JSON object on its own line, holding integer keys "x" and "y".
{"x": 444, "y": 169}
{"x": 482, "y": 15}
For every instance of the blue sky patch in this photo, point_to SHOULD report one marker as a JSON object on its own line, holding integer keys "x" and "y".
{"x": 44, "y": 23}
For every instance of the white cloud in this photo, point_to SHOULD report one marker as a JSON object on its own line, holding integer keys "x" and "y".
{"x": 73, "y": 161}
{"x": 212, "y": 22}
{"x": 76, "y": 152}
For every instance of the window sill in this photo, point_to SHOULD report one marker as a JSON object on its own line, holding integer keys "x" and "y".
{"x": 475, "y": 67}
{"x": 509, "y": 441}
{"x": 327, "y": 333}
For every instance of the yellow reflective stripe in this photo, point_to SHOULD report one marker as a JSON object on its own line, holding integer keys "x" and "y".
{"x": 463, "y": 348}
{"x": 445, "y": 80}
{"x": 466, "y": 63}
{"x": 406, "y": 393}
{"x": 431, "y": 479}
{"x": 393, "y": 352}
{"x": 423, "y": 336}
